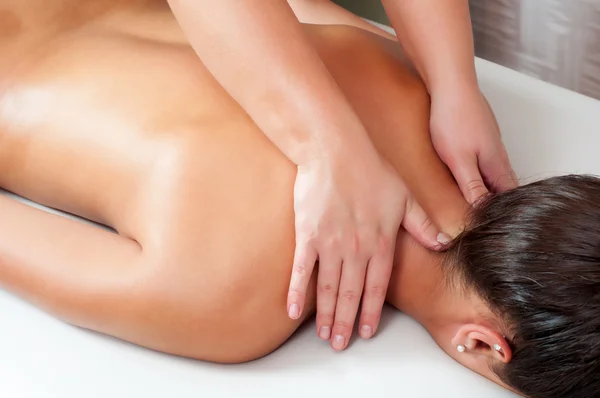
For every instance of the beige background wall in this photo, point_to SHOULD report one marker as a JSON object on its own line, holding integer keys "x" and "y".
{"x": 554, "y": 40}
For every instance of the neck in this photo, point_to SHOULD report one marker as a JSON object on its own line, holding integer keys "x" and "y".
{"x": 420, "y": 288}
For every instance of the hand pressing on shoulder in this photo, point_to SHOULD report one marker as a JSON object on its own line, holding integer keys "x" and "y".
{"x": 438, "y": 38}
{"x": 466, "y": 136}
{"x": 349, "y": 208}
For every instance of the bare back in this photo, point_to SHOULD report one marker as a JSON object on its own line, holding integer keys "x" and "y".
{"x": 115, "y": 119}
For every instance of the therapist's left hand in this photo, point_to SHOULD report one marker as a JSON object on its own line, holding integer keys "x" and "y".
{"x": 466, "y": 136}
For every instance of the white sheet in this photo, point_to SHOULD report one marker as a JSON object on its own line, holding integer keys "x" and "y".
{"x": 547, "y": 130}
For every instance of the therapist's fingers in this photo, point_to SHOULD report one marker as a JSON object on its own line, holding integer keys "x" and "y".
{"x": 330, "y": 269}
{"x": 305, "y": 258}
{"x": 377, "y": 280}
{"x": 497, "y": 170}
{"x": 418, "y": 224}
{"x": 348, "y": 299}
{"x": 466, "y": 173}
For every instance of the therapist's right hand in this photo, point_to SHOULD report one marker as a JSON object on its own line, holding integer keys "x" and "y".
{"x": 348, "y": 210}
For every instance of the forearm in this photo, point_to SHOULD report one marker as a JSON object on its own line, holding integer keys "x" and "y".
{"x": 437, "y": 36}
{"x": 66, "y": 267}
{"x": 258, "y": 51}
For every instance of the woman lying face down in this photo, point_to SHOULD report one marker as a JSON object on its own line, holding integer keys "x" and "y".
{"x": 116, "y": 121}
{"x": 532, "y": 255}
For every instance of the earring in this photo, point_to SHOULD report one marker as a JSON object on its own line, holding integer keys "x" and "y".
{"x": 461, "y": 348}
{"x": 497, "y": 347}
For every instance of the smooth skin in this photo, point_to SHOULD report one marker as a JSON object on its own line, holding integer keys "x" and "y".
{"x": 108, "y": 114}
{"x": 348, "y": 202}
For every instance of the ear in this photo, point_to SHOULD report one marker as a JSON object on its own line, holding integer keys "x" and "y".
{"x": 483, "y": 341}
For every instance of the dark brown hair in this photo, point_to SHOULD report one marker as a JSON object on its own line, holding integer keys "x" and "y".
{"x": 533, "y": 254}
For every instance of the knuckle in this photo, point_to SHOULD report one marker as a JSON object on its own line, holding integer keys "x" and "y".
{"x": 475, "y": 185}
{"x": 300, "y": 270}
{"x": 376, "y": 292}
{"x": 383, "y": 243}
{"x": 342, "y": 326}
{"x": 360, "y": 244}
{"x": 325, "y": 289}
{"x": 332, "y": 242}
{"x": 296, "y": 295}
{"x": 324, "y": 319}
{"x": 354, "y": 244}
{"x": 426, "y": 224}
{"x": 307, "y": 235}
{"x": 351, "y": 296}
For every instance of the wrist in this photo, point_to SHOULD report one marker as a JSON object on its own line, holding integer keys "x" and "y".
{"x": 318, "y": 140}
{"x": 348, "y": 157}
{"x": 463, "y": 80}
{"x": 459, "y": 87}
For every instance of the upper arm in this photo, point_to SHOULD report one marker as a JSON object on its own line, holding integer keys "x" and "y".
{"x": 72, "y": 269}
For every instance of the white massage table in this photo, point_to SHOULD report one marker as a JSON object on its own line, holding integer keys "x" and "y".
{"x": 547, "y": 130}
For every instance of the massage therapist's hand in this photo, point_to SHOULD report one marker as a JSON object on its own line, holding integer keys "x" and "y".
{"x": 438, "y": 37}
{"x": 348, "y": 211}
{"x": 348, "y": 203}
{"x": 466, "y": 136}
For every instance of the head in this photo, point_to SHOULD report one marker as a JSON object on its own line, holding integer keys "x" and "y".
{"x": 527, "y": 267}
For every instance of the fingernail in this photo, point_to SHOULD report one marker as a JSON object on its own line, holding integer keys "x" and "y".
{"x": 366, "y": 332}
{"x": 338, "y": 342}
{"x": 294, "y": 311}
{"x": 443, "y": 238}
{"x": 325, "y": 332}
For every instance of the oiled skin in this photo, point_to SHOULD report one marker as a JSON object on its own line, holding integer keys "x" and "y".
{"x": 116, "y": 120}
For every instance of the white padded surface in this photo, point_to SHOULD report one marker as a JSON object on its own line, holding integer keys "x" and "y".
{"x": 547, "y": 130}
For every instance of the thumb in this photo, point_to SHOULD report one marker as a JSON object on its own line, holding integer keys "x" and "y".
{"x": 466, "y": 173}
{"x": 498, "y": 172}
{"x": 418, "y": 224}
